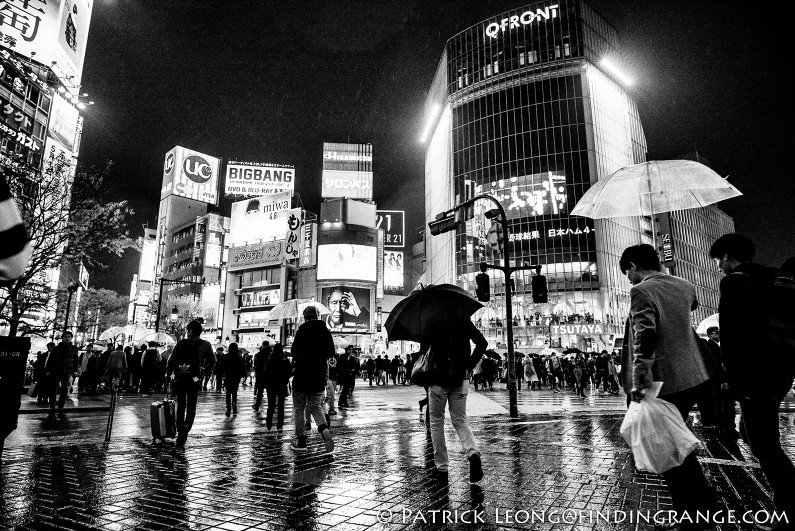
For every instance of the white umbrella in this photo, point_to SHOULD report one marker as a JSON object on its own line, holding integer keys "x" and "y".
{"x": 654, "y": 187}
{"x": 549, "y": 351}
{"x": 706, "y": 324}
{"x": 135, "y": 332}
{"x": 340, "y": 341}
{"x": 294, "y": 309}
{"x": 111, "y": 333}
{"x": 160, "y": 337}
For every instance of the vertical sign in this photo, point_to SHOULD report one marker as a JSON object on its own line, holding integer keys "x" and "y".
{"x": 292, "y": 244}
{"x": 309, "y": 245}
{"x": 379, "y": 292}
{"x": 667, "y": 248}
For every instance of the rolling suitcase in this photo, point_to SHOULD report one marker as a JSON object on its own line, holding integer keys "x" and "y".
{"x": 163, "y": 420}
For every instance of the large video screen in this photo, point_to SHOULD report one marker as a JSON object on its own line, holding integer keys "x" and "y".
{"x": 350, "y": 308}
{"x": 533, "y": 195}
{"x": 345, "y": 261}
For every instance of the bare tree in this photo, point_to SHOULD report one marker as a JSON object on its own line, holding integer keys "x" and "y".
{"x": 69, "y": 220}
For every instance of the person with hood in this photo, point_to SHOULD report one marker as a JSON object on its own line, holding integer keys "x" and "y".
{"x": 61, "y": 365}
{"x": 759, "y": 386}
{"x": 448, "y": 385}
{"x": 260, "y": 360}
{"x": 234, "y": 370}
{"x": 312, "y": 347}
{"x": 185, "y": 365}
{"x": 150, "y": 362}
{"x": 276, "y": 374}
{"x": 530, "y": 372}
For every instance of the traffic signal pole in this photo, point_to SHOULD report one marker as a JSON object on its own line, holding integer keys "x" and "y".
{"x": 450, "y": 220}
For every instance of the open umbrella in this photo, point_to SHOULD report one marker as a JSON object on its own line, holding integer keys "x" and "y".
{"x": 652, "y": 188}
{"x": 549, "y": 351}
{"x": 160, "y": 337}
{"x": 294, "y": 309}
{"x": 429, "y": 309}
{"x": 573, "y": 350}
{"x": 493, "y": 355}
{"x": 111, "y": 333}
{"x": 340, "y": 341}
{"x": 707, "y": 323}
{"x": 135, "y": 332}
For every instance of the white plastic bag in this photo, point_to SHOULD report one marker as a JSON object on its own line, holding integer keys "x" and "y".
{"x": 659, "y": 438}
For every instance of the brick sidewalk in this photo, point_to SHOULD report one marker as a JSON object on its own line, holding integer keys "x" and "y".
{"x": 562, "y": 453}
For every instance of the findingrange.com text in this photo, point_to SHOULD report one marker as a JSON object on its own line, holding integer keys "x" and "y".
{"x": 575, "y": 516}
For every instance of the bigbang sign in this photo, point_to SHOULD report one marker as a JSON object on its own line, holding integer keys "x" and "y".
{"x": 188, "y": 173}
{"x": 255, "y": 179}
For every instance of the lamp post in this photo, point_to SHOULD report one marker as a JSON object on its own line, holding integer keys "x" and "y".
{"x": 450, "y": 220}
{"x": 160, "y": 297}
{"x": 71, "y": 289}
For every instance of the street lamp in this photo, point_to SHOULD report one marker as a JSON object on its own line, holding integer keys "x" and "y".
{"x": 450, "y": 220}
{"x": 71, "y": 289}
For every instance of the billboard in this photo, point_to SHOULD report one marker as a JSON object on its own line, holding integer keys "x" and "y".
{"x": 259, "y": 255}
{"x": 190, "y": 174}
{"x": 293, "y": 242}
{"x": 350, "y": 308}
{"x": 256, "y": 179}
{"x": 346, "y": 261}
{"x": 308, "y": 255}
{"x": 259, "y": 219}
{"x": 393, "y": 271}
{"x": 63, "y": 122}
{"x": 347, "y": 171}
{"x": 394, "y": 224}
{"x": 53, "y": 32}
{"x": 531, "y": 195}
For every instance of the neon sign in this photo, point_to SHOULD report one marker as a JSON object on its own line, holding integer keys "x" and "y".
{"x": 514, "y": 21}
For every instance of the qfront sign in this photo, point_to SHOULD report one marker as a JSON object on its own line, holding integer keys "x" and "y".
{"x": 256, "y": 179}
{"x": 188, "y": 173}
{"x": 528, "y": 17}
{"x": 260, "y": 255}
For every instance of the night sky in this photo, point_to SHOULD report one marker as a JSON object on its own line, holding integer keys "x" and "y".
{"x": 271, "y": 81}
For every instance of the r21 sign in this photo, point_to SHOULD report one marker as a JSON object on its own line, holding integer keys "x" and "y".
{"x": 393, "y": 222}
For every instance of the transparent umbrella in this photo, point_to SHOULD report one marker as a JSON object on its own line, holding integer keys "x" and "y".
{"x": 294, "y": 309}
{"x": 159, "y": 337}
{"x": 707, "y": 323}
{"x": 111, "y": 333}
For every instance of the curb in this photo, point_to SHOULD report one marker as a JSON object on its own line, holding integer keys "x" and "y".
{"x": 46, "y": 411}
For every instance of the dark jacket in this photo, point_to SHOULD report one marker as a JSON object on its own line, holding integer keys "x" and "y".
{"x": 233, "y": 367}
{"x": 260, "y": 360}
{"x": 62, "y": 360}
{"x": 149, "y": 361}
{"x": 369, "y": 365}
{"x": 277, "y": 371}
{"x": 452, "y": 355}
{"x": 188, "y": 359}
{"x": 311, "y": 349}
{"x": 335, "y": 367}
{"x": 742, "y": 334}
{"x": 715, "y": 361}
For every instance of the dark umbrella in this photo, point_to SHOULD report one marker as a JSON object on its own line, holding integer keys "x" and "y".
{"x": 573, "y": 350}
{"x": 429, "y": 309}
{"x": 491, "y": 354}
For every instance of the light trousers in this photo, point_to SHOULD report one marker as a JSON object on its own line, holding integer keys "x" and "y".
{"x": 456, "y": 397}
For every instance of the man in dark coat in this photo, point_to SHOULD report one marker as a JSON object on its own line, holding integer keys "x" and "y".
{"x": 61, "y": 366}
{"x": 311, "y": 350}
{"x": 370, "y": 367}
{"x": 260, "y": 359}
{"x": 759, "y": 385}
{"x": 724, "y": 403}
{"x": 190, "y": 356}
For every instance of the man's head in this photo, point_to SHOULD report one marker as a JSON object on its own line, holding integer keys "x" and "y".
{"x": 713, "y": 332}
{"x": 731, "y": 250}
{"x": 66, "y": 337}
{"x": 194, "y": 329}
{"x": 127, "y": 350}
{"x": 266, "y": 344}
{"x": 337, "y": 304}
{"x": 50, "y": 346}
{"x": 639, "y": 261}
{"x": 219, "y": 350}
{"x": 119, "y": 347}
{"x": 152, "y": 344}
{"x": 311, "y": 313}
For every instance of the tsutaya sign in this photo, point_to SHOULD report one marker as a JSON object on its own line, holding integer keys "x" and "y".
{"x": 514, "y": 21}
{"x": 577, "y": 329}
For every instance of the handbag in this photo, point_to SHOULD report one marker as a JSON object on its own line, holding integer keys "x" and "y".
{"x": 422, "y": 368}
{"x": 431, "y": 368}
{"x": 33, "y": 390}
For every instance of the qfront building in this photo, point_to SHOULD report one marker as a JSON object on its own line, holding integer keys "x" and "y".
{"x": 526, "y": 107}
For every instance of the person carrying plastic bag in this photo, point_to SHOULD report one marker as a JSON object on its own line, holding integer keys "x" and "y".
{"x": 662, "y": 347}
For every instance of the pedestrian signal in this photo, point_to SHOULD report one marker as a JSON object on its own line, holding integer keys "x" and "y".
{"x": 540, "y": 293}
{"x": 483, "y": 290}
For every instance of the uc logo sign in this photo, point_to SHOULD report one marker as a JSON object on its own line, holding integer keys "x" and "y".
{"x": 169, "y": 163}
{"x": 197, "y": 169}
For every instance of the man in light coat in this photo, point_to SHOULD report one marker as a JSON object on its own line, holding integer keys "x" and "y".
{"x": 662, "y": 346}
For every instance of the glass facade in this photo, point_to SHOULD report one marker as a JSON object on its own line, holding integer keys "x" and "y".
{"x": 533, "y": 122}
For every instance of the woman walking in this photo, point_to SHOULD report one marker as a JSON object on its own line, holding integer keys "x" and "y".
{"x": 530, "y": 372}
{"x": 276, "y": 374}
{"x": 448, "y": 383}
{"x": 234, "y": 369}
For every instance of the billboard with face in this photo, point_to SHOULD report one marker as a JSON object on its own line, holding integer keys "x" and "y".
{"x": 256, "y": 179}
{"x": 350, "y": 308}
{"x": 259, "y": 219}
{"x": 346, "y": 261}
{"x": 188, "y": 173}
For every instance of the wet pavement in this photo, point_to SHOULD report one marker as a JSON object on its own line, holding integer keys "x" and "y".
{"x": 563, "y": 453}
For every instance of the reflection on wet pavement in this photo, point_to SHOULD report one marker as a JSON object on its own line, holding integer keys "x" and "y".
{"x": 562, "y": 453}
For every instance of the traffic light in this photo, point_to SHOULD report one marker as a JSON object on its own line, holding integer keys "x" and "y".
{"x": 483, "y": 290}
{"x": 540, "y": 292}
{"x": 444, "y": 224}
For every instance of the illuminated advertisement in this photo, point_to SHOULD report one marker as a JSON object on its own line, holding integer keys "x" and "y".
{"x": 259, "y": 219}
{"x": 350, "y": 308}
{"x": 394, "y": 225}
{"x": 345, "y": 261}
{"x": 256, "y": 179}
{"x": 190, "y": 174}
{"x": 63, "y": 122}
{"x": 526, "y": 18}
{"x": 308, "y": 256}
{"x": 393, "y": 271}
{"x": 531, "y": 195}
{"x": 292, "y": 242}
{"x": 260, "y": 255}
{"x": 55, "y": 32}
{"x": 347, "y": 171}
{"x": 148, "y": 258}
